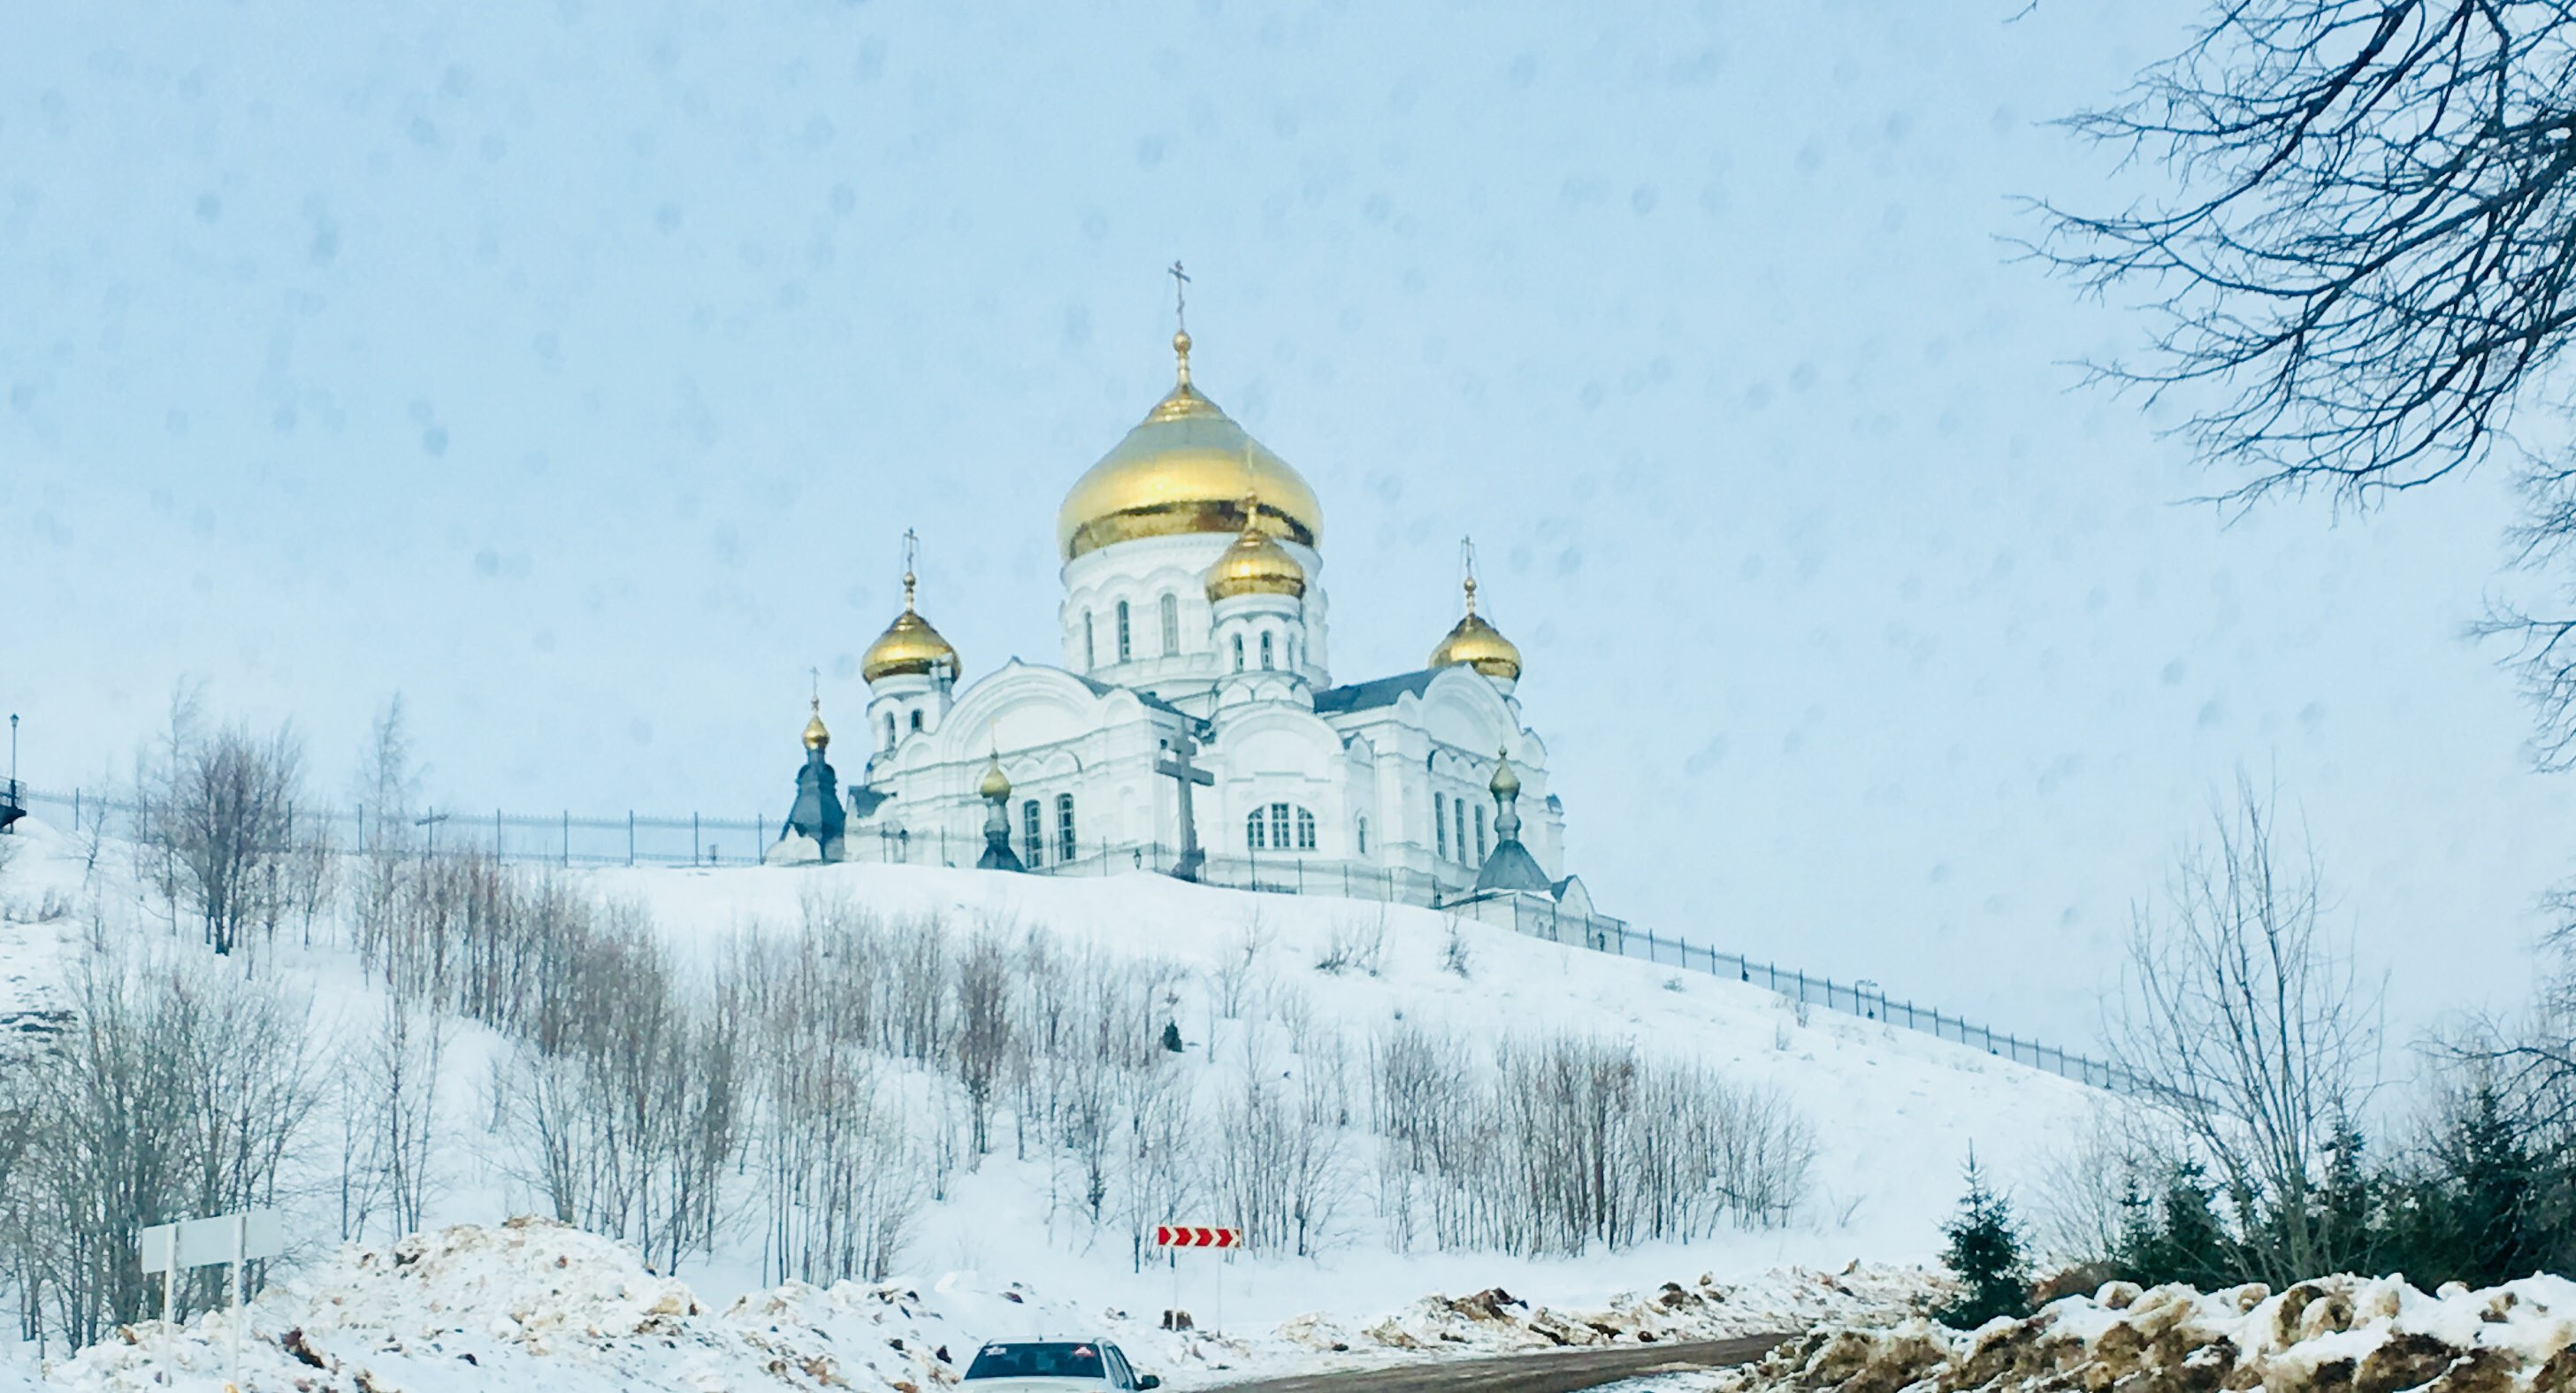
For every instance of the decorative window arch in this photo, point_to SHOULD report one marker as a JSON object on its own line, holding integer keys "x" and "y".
{"x": 1279, "y": 827}
{"x": 1238, "y": 652}
{"x": 1171, "y": 607}
{"x": 1265, "y": 651}
{"x": 1440, "y": 822}
{"x": 1032, "y": 834}
{"x": 1125, "y": 651}
{"x": 1064, "y": 827}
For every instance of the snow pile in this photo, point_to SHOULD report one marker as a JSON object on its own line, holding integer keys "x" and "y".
{"x": 2334, "y": 1335}
{"x": 1494, "y": 1320}
{"x": 530, "y": 1304}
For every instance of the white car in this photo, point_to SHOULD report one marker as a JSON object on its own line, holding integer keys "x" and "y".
{"x": 1047, "y": 1366}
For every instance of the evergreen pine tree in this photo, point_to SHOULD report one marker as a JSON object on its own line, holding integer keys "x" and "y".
{"x": 2492, "y": 1182}
{"x": 1985, "y": 1254}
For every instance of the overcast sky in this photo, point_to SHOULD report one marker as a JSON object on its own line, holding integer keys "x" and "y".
{"x": 573, "y": 370}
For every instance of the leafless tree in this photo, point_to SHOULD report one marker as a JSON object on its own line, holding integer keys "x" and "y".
{"x": 177, "y": 1092}
{"x": 2251, "y": 1028}
{"x": 984, "y": 1016}
{"x": 2360, "y": 269}
{"x": 217, "y": 827}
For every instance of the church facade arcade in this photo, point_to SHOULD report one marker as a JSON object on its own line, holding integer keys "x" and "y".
{"x": 1194, "y": 725}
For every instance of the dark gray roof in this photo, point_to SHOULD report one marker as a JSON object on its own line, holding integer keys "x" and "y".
{"x": 1361, "y": 696}
{"x": 1511, "y": 867}
{"x": 1152, "y": 702}
{"x": 865, "y": 800}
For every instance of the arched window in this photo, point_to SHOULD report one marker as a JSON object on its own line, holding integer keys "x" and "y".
{"x": 1032, "y": 834}
{"x": 889, "y": 730}
{"x": 1123, "y": 651}
{"x": 1171, "y": 625}
{"x": 1279, "y": 827}
{"x": 1090, "y": 651}
{"x": 1064, "y": 827}
{"x": 1440, "y": 823}
{"x": 1458, "y": 814}
{"x": 1480, "y": 835}
{"x": 1363, "y": 836}
{"x": 916, "y": 718}
{"x": 1238, "y": 652}
{"x": 1265, "y": 650}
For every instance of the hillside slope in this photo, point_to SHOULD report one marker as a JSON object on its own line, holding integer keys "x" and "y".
{"x": 1250, "y": 983}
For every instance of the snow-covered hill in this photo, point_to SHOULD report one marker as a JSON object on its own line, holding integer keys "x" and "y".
{"x": 1251, "y": 983}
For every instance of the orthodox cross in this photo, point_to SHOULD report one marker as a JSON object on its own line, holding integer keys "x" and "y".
{"x": 1177, "y": 766}
{"x": 911, "y": 555}
{"x": 817, "y": 674}
{"x": 1180, "y": 298}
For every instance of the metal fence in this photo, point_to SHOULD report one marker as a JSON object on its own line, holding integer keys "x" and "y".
{"x": 636, "y": 840}
{"x": 557, "y": 839}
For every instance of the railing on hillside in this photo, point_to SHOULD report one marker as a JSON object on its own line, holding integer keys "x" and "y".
{"x": 559, "y": 839}
{"x": 565, "y": 840}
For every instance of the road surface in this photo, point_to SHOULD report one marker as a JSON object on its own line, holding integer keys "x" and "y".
{"x": 1548, "y": 1371}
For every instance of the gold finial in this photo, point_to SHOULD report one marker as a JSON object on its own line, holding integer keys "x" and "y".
{"x": 816, "y": 737}
{"x": 911, "y": 555}
{"x": 1181, "y": 319}
{"x": 1467, "y": 569}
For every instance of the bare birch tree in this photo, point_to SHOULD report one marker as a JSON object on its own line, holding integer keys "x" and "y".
{"x": 2252, "y": 1030}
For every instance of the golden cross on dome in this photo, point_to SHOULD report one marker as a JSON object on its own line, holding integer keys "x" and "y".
{"x": 1467, "y": 568}
{"x": 817, "y": 674}
{"x": 1181, "y": 319}
{"x": 911, "y": 557}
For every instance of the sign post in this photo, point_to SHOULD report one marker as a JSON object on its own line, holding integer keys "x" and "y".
{"x": 237, "y": 1239}
{"x": 1171, "y": 1238}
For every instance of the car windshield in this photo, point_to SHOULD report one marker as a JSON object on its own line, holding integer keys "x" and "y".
{"x": 1037, "y": 1359}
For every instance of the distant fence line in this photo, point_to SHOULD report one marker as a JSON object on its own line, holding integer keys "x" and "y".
{"x": 637, "y": 840}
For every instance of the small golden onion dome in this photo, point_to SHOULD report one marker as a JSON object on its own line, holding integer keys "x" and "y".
{"x": 816, "y": 737}
{"x": 909, "y": 645}
{"x": 1478, "y": 645}
{"x": 1255, "y": 565}
{"x": 1505, "y": 784}
{"x": 996, "y": 785}
{"x": 1181, "y": 471}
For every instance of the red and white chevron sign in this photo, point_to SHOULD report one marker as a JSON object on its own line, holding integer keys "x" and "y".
{"x": 1185, "y": 1236}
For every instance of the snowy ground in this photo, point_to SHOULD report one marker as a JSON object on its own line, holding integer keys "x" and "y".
{"x": 1894, "y": 1113}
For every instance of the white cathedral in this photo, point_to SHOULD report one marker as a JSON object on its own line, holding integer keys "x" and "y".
{"x": 1195, "y": 727}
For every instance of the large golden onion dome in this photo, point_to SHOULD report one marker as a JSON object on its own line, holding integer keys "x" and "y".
{"x": 909, "y": 644}
{"x": 1181, "y": 471}
{"x": 1478, "y": 644}
{"x": 1255, "y": 565}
